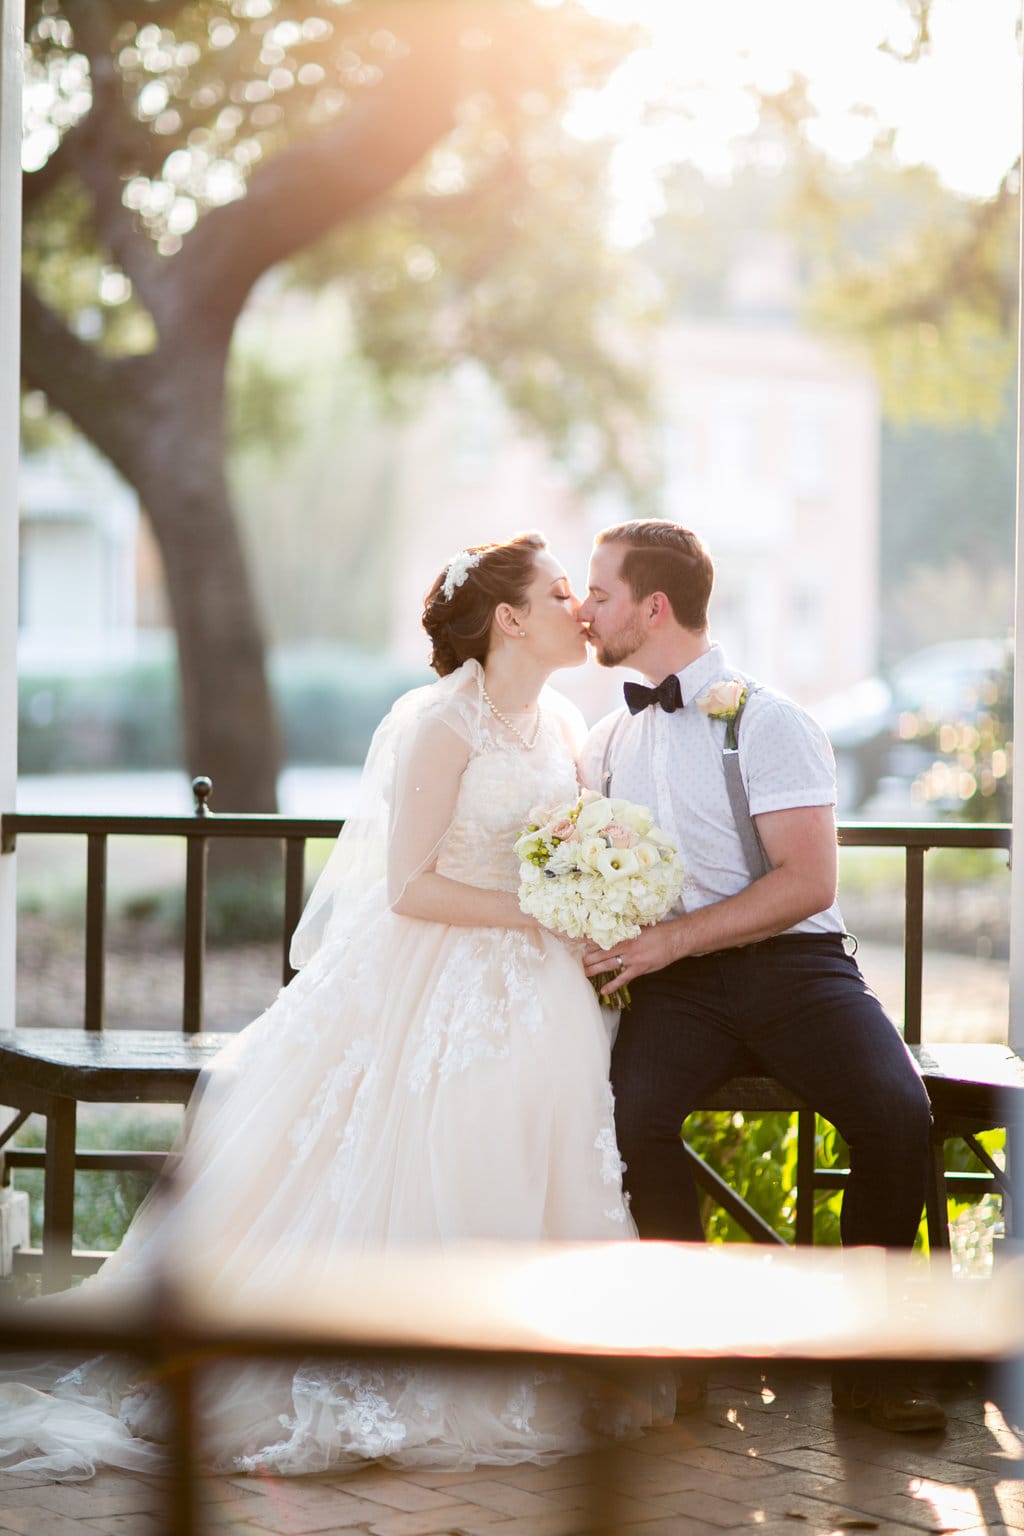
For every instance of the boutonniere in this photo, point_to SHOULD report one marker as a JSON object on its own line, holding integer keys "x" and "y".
{"x": 723, "y": 701}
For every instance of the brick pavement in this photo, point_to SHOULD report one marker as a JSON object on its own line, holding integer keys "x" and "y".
{"x": 766, "y": 1455}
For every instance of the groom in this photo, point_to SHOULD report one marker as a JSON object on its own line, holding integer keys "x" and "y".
{"x": 750, "y": 968}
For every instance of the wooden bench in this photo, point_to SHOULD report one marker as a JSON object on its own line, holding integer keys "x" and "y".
{"x": 972, "y": 1088}
{"x": 50, "y": 1071}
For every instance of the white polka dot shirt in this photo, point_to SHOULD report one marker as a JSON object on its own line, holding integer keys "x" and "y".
{"x": 673, "y": 764}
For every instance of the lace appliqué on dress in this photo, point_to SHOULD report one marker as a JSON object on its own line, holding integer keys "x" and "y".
{"x": 487, "y": 989}
{"x": 355, "y": 1130}
{"x": 612, "y": 1166}
{"x": 354, "y": 1401}
{"x": 307, "y": 1132}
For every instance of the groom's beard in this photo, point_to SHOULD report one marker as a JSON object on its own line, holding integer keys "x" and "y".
{"x": 614, "y": 650}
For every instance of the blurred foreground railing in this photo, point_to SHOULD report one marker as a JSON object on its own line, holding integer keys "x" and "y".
{"x": 592, "y": 1309}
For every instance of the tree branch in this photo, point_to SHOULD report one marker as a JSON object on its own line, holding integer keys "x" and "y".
{"x": 300, "y": 193}
{"x": 146, "y": 12}
{"x": 100, "y": 395}
{"x": 37, "y": 185}
{"x": 962, "y": 267}
{"x": 97, "y": 151}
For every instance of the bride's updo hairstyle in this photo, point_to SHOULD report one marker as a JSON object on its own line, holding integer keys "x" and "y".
{"x": 460, "y": 605}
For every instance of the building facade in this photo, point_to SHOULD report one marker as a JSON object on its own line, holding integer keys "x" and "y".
{"x": 77, "y": 559}
{"x": 768, "y": 441}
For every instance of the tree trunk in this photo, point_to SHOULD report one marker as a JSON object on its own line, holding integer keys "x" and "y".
{"x": 159, "y": 418}
{"x": 230, "y": 725}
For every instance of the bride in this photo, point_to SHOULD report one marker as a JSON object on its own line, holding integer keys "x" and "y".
{"x": 437, "y": 1071}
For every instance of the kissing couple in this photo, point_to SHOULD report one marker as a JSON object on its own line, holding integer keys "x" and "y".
{"x": 440, "y": 1070}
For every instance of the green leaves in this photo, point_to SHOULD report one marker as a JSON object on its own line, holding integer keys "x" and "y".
{"x": 487, "y": 242}
{"x": 935, "y": 304}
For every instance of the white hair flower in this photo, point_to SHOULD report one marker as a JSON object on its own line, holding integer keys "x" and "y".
{"x": 458, "y": 570}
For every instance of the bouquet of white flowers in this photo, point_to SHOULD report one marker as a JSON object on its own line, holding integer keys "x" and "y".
{"x": 598, "y": 869}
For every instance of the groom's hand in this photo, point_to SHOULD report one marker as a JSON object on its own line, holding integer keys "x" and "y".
{"x": 650, "y": 951}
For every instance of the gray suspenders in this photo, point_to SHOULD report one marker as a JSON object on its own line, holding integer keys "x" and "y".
{"x": 757, "y": 860}
{"x": 606, "y": 770}
{"x": 753, "y": 849}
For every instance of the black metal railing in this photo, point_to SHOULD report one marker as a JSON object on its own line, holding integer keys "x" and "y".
{"x": 198, "y": 831}
{"x": 916, "y": 839}
{"x": 293, "y": 833}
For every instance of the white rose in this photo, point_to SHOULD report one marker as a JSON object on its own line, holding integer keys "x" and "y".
{"x": 541, "y": 815}
{"x": 636, "y": 817}
{"x": 659, "y": 838}
{"x": 590, "y": 850}
{"x": 594, "y": 817}
{"x": 647, "y": 856}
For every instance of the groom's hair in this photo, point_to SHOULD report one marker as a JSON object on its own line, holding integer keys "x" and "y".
{"x": 665, "y": 557}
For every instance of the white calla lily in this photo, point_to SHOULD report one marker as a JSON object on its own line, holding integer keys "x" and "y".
{"x": 617, "y": 863}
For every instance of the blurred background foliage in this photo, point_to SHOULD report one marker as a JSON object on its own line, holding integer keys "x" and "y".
{"x": 486, "y": 240}
{"x": 330, "y": 698}
{"x": 756, "y": 1154}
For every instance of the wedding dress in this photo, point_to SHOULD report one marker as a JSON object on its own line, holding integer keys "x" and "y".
{"x": 414, "y": 1084}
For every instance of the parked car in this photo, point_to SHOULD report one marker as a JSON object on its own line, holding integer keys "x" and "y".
{"x": 884, "y": 728}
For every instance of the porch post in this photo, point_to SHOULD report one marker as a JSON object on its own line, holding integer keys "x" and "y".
{"x": 1017, "y": 878}
{"x": 11, "y": 42}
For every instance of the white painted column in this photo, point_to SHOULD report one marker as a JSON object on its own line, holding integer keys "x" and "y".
{"x": 11, "y": 45}
{"x": 1017, "y": 877}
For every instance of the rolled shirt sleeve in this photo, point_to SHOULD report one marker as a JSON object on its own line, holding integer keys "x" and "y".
{"x": 785, "y": 757}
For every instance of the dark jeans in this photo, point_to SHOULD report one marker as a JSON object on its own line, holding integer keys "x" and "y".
{"x": 798, "y": 1008}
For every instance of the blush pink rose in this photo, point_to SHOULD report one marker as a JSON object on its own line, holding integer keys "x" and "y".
{"x": 618, "y": 836}
{"x": 722, "y": 699}
{"x": 565, "y": 830}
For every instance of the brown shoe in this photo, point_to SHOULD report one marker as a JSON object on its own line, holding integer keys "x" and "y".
{"x": 902, "y": 1409}
{"x": 691, "y": 1394}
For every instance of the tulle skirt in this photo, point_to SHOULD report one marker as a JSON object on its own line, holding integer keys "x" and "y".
{"x": 415, "y": 1085}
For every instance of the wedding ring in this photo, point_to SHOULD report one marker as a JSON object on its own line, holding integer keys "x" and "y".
{"x": 619, "y": 961}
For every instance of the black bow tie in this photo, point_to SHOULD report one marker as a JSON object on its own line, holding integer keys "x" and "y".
{"x": 668, "y": 694}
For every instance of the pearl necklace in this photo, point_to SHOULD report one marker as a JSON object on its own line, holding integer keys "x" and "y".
{"x": 528, "y": 746}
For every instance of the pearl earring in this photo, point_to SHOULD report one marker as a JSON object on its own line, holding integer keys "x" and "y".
{"x": 522, "y": 634}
